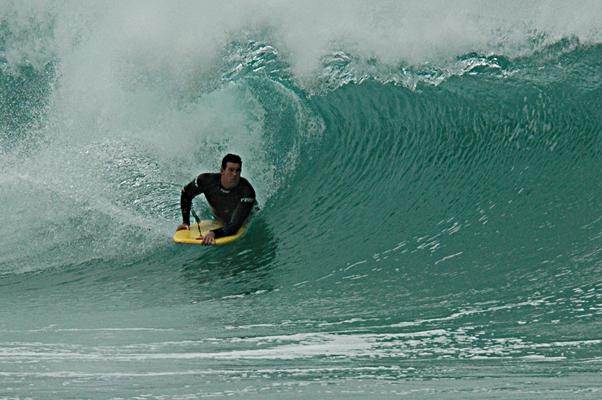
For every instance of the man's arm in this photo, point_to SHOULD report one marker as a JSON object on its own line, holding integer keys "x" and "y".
{"x": 239, "y": 216}
{"x": 189, "y": 192}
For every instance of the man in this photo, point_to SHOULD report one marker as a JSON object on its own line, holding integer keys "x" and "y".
{"x": 230, "y": 196}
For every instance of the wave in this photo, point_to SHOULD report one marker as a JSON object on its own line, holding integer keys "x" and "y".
{"x": 379, "y": 127}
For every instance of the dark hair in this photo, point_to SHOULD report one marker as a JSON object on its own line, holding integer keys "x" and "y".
{"x": 233, "y": 158}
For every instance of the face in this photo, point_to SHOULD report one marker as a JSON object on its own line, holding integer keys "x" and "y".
{"x": 230, "y": 175}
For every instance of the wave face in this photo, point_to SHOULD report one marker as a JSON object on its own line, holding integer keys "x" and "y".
{"x": 429, "y": 182}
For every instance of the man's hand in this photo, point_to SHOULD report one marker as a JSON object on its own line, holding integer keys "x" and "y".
{"x": 182, "y": 227}
{"x": 209, "y": 238}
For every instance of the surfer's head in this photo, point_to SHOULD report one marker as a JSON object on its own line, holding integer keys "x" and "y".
{"x": 230, "y": 171}
{"x": 233, "y": 158}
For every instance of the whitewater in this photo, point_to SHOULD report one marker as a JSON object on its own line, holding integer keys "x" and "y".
{"x": 428, "y": 175}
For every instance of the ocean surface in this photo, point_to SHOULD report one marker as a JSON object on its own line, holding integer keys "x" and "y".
{"x": 429, "y": 180}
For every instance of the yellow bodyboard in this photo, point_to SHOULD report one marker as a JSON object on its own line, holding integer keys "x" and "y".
{"x": 193, "y": 236}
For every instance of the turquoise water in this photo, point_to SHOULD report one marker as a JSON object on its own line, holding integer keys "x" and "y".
{"x": 429, "y": 181}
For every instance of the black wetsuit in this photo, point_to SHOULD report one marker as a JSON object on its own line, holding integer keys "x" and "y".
{"x": 232, "y": 206}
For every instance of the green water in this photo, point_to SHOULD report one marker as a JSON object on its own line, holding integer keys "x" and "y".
{"x": 430, "y": 222}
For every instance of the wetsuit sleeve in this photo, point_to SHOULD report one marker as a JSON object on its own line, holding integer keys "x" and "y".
{"x": 240, "y": 214}
{"x": 189, "y": 192}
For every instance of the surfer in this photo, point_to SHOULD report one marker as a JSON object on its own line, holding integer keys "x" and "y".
{"x": 230, "y": 196}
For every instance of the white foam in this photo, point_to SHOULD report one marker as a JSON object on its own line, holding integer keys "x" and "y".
{"x": 185, "y": 40}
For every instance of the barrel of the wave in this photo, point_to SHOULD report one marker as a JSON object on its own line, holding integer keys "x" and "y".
{"x": 195, "y": 234}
